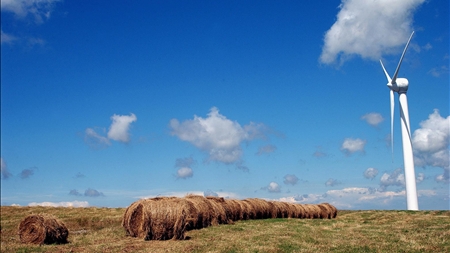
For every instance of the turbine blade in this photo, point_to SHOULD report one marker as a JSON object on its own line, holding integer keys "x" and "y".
{"x": 392, "y": 123}
{"x": 405, "y": 114}
{"x": 401, "y": 59}
{"x": 385, "y": 72}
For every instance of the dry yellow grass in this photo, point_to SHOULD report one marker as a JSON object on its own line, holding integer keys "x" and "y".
{"x": 100, "y": 230}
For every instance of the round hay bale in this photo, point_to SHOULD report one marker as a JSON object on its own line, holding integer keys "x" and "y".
{"x": 133, "y": 217}
{"x": 235, "y": 209}
{"x": 283, "y": 209}
{"x": 309, "y": 211}
{"x": 205, "y": 214}
{"x": 325, "y": 211}
{"x": 248, "y": 212}
{"x": 221, "y": 209}
{"x": 314, "y": 211}
{"x": 42, "y": 229}
{"x": 263, "y": 209}
{"x": 332, "y": 210}
{"x": 253, "y": 209}
{"x": 217, "y": 204}
{"x": 166, "y": 219}
{"x": 298, "y": 211}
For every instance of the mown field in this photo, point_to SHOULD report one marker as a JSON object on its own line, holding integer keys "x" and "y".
{"x": 99, "y": 230}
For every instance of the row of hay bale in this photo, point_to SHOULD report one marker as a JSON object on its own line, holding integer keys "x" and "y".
{"x": 42, "y": 229}
{"x": 164, "y": 218}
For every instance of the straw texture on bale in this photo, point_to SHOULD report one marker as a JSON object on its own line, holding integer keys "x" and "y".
{"x": 165, "y": 218}
{"x": 42, "y": 229}
{"x": 204, "y": 215}
{"x": 218, "y": 205}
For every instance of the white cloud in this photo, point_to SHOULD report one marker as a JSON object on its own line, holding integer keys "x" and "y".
{"x": 38, "y": 9}
{"x": 290, "y": 179}
{"x": 396, "y": 178}
{"x": 4, "y": 169}
{"x": 420, "y": 177}
{"x": 273, "y": 187}
{"x": 61, "y": 204}
{"x": 120, "y": 126}
{"x": 370, "y": 173}
{"x": 369, "y": 29}
{"x": 433, "y": 136}
{"x": 431, "y": 144}
{"x": 373, "y": 119}
{"x": 443, "y": 178}
{"x": 185, "y": 172}
{"x": 118, "y": 131}
{"x": 350, "y": 146}
{"x": 95, "y": 140}
{"x": 218, "y": 136}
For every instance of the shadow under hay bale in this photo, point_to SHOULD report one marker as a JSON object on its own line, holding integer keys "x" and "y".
{"x": 42, "y": 229}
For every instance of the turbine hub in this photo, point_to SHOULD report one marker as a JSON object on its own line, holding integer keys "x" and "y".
{"x": 400, "y": 85}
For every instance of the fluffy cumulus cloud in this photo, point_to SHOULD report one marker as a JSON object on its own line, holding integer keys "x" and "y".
{"x": 220, "y": 137}
{"x": 290, "y": 179}
{"x": 4, "y": 169}
{"x": 368, "y": 29}
{"x": 373, "y": 118}
{"x": 431, "y": 144}
{"x": 120, "y": 126}
{"x": 118, "y": 131}
{"x": 272, "y": 187}
{"x": 370, "y": 173}
{"x": 185, "y": 172}
{"x": 395, "y": 178}
{"x": 40, "y": 10}
{"x": 184, "y": 167}
{"x": 350, "y": 146}
{"x": 61, "y": 204}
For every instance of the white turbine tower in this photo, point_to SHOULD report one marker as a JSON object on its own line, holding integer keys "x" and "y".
{"x": 400, "y": 85}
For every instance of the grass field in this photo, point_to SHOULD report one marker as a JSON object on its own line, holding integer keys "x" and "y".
{"x": 99, "y": 230}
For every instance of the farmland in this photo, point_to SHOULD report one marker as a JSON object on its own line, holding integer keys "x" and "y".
{"x": 100, "y": 230}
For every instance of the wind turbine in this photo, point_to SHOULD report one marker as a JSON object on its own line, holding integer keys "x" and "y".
{"x": 400, "y": 86}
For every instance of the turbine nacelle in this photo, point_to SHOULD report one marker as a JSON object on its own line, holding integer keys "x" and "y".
{"x": 400, "y": 85}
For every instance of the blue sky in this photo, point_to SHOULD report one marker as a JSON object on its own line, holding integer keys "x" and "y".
{"x": 105, "y": 103}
